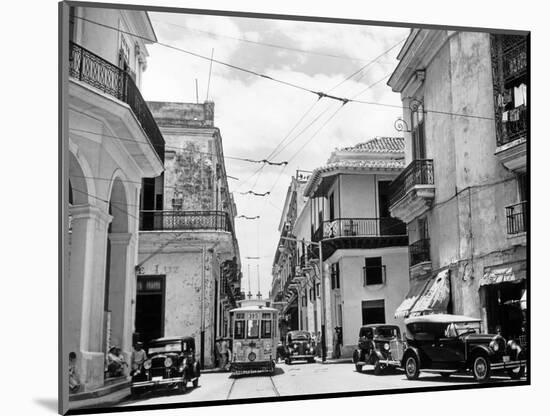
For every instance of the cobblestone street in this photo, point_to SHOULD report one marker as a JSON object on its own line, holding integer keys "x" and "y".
{"x": 298, "y": 379}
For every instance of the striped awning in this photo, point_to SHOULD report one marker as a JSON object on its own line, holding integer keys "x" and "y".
{"x": 435, "y": 298}
{"x": 416, "y": 289}
{"x": 510, "y": 273}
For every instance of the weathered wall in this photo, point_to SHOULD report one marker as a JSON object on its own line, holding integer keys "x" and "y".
{"x": 467, "y": 224}
{"x": 185, "y": 301}
{"x": 353, "y": 292}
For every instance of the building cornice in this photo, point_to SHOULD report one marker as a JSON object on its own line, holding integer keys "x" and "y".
{"x": 417, "y": 53}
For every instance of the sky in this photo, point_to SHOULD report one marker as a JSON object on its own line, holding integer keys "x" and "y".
{"x": 255, "y": 114}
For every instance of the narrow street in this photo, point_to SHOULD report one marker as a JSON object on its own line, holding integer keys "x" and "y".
{"x": 297, "y": 379}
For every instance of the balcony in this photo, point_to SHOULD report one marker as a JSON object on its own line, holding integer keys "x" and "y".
{"x": 360, "y": 233}
{"x": 413, "y": 191}
{"x": 516, "y": 218}
{"x": 89, "y": 68}
{"x": 419, "y": 258}
{"x": 512, "y": 140}
{"x": 185, "y": 221}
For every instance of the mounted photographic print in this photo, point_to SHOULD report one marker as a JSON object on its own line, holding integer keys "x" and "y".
{"x": 266, "y": 207}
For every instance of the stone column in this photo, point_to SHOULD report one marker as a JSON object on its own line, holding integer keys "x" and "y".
{"x": 328, "y": 311}
{"x": 121, "y": 290}
{"x": 83, "y": 292}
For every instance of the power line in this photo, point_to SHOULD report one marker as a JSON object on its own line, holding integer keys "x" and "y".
{"x": 270, "y": 45}
{"x": 320, "y": 94}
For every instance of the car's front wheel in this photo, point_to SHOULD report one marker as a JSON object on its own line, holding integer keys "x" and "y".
{"x": 358, "y": 368}
{"x": 412, "y": 369}
{"x": 377, "y": 367}
{"x": 481, "y": 368}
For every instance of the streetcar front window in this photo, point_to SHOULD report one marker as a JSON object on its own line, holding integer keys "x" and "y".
{"x": 239, "y": 329}
{"x": 266, "y": 329}
{"x": 252, "y": 328}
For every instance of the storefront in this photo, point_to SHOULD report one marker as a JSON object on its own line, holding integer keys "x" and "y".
{"x": 503, "y": 296}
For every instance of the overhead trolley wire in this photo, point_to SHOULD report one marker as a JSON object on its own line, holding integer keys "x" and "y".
{"x": 320, "y": 94}
{"x": 270, "y": 45}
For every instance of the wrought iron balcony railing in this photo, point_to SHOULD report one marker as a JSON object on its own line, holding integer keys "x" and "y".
{"x": 419, "y": 172}
{"x": 419, "y": 252}
{"x": 184, "y": 220}
{"x": 516, "y": 218}
{"x": 110, "y": 79}
{"x": 514, "y": 126}
{"x": 360, "y": 227}
{"x": 514, "y": 58}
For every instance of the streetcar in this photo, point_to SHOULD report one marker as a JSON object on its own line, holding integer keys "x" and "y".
{"x": 254, "y": 339}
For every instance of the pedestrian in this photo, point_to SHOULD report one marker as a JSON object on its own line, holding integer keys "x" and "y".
{"x": 139, "y": 356}
{"x": 217, "y": 353}
{"x": 228, "y": 355}
{"x": 223, "y": 354}
{"x": 115, "y": 362}
{"x": 74, "y": 379}
{"x": 336, "y": 343}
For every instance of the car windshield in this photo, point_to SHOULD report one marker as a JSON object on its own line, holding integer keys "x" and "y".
{"x": 299, "y": 336}
{"x": 160, "y": 348}
{"x": 467, "y": 328}
{"x": 386, "y": 331}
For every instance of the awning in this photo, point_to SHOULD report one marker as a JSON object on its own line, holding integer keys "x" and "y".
{"x": 416, "y": 289}
{"x": 511, "y": 273}
{"x": 436, "y": 295}
{"x": 523, "y": 301}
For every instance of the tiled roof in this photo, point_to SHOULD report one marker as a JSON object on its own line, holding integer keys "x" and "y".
{"x": 383, "y": 164}
{"x": 378, "y": 145}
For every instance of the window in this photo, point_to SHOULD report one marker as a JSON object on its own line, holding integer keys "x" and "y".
{"x": 318, "y": 289}
{"x": 335, "y": 276}
{"x": 304, "y": 301}
{"x": 239, "y": 329}
{"x": 373, "y": 312}
{"x": 418, "y": 139}
{"x": 373, "y": 271}
{"x": 331, "y": 207}
{"x": 252, "y": 328}
{"x": 266, "y": 328}
{"x": 523, "y": 187}
{"x": 311, "y": 294}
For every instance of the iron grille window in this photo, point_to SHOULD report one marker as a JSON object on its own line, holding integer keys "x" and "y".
{"x": 374, "y": 271}
{"x": 335, "y": 276}
{"x": 418, "y": 135}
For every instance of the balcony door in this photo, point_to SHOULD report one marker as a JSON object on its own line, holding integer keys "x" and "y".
{"x": 384, "y": 207}
{"x": 418, "y": 134}
{"x": 150, "y": 307}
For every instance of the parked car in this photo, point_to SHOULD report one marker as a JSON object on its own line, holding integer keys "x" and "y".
{"x": 448, "y": 344}
{"x": 299, "y": 346}
{"x": 379, "y": 345}
{"x": 170, "y": 363}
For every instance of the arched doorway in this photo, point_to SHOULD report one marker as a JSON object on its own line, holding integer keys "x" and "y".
{"x": 117, "y": 307}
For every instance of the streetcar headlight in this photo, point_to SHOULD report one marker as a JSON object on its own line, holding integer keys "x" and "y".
{"x": 168, "y": 362}
{"x": 147, "y": 364}
{"x": 387, "y": 346}
{"x": 493, "y": 345}
{"x": 251, "y": 356}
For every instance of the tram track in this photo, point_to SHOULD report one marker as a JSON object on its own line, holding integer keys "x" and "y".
{"x": 252, "y": 386}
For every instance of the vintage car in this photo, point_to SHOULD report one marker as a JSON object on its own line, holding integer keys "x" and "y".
{"x": 170, "y": 363}
{"x": 299, "y": 346}
{"x": 379, "y": 345}
{"x": 448, "y": 344}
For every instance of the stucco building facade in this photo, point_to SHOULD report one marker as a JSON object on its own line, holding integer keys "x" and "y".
{"x": 113, "y": 143}
{"x": 464, "y": 192}
{"x": 189, "y": 262}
